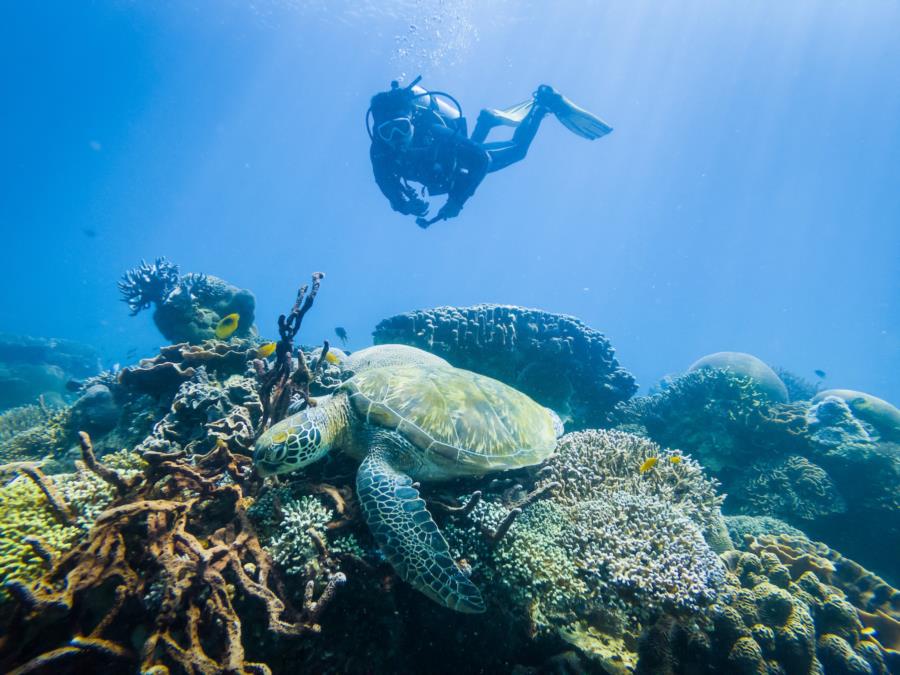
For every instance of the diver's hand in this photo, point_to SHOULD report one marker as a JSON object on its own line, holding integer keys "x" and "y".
{"x": 413, "y": 207}
{"x": 449, "y": 210}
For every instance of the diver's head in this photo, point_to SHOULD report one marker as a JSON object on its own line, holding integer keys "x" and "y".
{"x": 392, "y": 117}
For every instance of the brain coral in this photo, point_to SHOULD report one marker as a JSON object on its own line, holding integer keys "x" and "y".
{"x": 556, "y": 359}
{"x": 777, "y": 617}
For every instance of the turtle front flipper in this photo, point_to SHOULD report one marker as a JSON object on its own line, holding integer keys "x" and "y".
{"x": 409, "y": 537}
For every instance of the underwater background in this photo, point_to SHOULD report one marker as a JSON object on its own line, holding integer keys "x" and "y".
{"x": 734, "y": 513}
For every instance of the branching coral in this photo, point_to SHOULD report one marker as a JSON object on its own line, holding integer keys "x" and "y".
{"x": 607, "y": 541}
{"x": 148, "y": 284}
{"x": 38, "y": 527}
{"x": 49, "y": 434}
{"x": 722, "y": 418}
{"x": 284, "y": 379}
{"x": 596, "y": 461}
{"x": 177, "y": 551}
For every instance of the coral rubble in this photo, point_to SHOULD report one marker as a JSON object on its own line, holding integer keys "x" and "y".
{"x": 556, "y": 359}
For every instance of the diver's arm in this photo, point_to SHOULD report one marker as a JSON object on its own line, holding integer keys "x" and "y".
{"x": 473, "y": 161}
{"x": 402, "y": 199}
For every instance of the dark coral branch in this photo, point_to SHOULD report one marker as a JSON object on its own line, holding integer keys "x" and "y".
{"x": 111, "y": 476}
{"x": 57, "y": 503}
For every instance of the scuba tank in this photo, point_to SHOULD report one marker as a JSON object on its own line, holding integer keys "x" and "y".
{"x": 439, "y": 106}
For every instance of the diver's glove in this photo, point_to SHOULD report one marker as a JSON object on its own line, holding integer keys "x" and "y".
{"x": 449, "y": 210}
{"x": 413, "y": 207}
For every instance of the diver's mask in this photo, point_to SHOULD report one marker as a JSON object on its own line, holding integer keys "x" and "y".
{"x": 397, "y": 131}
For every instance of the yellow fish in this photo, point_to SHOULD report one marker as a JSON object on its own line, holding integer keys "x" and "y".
{"x": 266, "y": 350}
{"x": 868, "y": 630}
{"x": 648, "y": 464}
{"x": 675, "y": 459}
{"x": 227, "y": 326}
{"x": 332, "y": 358}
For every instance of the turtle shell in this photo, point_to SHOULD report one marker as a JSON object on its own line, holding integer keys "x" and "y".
{"x": 463, "y": 421}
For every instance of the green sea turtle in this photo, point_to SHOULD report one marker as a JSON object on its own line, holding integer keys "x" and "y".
{"x": 421, "y": 421}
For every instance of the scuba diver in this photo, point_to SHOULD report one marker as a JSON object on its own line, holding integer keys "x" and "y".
{"x": 422, "y": 137}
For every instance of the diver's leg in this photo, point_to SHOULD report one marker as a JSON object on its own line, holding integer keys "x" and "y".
{"x": 517, "y": 148}
{"x": 486, "y": 121}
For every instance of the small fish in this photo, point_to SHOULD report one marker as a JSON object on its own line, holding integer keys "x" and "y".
{"x": 820, "y": 374}
{"x": 648, "y": 464}
{"x": 266, "y": 350}
{"x": 675, "y": 459}
{"x": 341, "y": 332}
{"x": 332, "y": 358}
{"x": 869, "y": 631}
{"x": 227, "y": 326}
{"x": 88, "y": 232}
{"x": 131, "y": 352}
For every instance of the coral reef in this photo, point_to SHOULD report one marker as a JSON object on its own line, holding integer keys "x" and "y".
{"x": 798, "y": 387}
{"x": 33, "y": 527}
{"x": 738, "y": 526}
{"x": 188, "y": 307}
{"x": 793, "y": 488}
{"x": 556, "y": 359}
{"x": 883, "y": 417}
{"x": 778, "y": 616}
{"x": 745, "y": 365}
{"x": 598, "y": 547}
{"x": 32, "y": 367}
{"x": 34, "y": 432}
{"x": 722, "y": 418}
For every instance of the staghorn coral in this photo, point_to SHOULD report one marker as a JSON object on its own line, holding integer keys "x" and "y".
{"x": 793, "y": 488}
{"x": 798, "y": 387}
{"x": 556, "y": 359}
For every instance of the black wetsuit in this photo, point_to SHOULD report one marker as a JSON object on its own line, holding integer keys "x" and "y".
{"x": 445, "y": 161}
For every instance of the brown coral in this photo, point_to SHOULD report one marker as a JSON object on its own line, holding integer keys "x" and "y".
{"x": 172, "y": 554}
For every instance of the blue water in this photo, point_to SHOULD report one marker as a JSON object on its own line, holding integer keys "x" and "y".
{"x": 747, "y": 199}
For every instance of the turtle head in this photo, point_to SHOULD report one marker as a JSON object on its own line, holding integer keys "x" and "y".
{"x": 296, "y": 442}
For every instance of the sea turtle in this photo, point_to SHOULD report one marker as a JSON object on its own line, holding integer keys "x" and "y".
{"x": 410, "y": 422}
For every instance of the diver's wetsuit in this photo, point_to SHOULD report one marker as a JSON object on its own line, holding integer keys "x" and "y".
{"x": 445, "y": 161}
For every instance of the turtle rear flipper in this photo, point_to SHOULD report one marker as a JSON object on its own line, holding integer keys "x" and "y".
{"x": 409, "y": 537}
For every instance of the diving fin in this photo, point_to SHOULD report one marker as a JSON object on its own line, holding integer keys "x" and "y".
{"x": 574, "y": 118}
{"x": 513, "y": 116}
